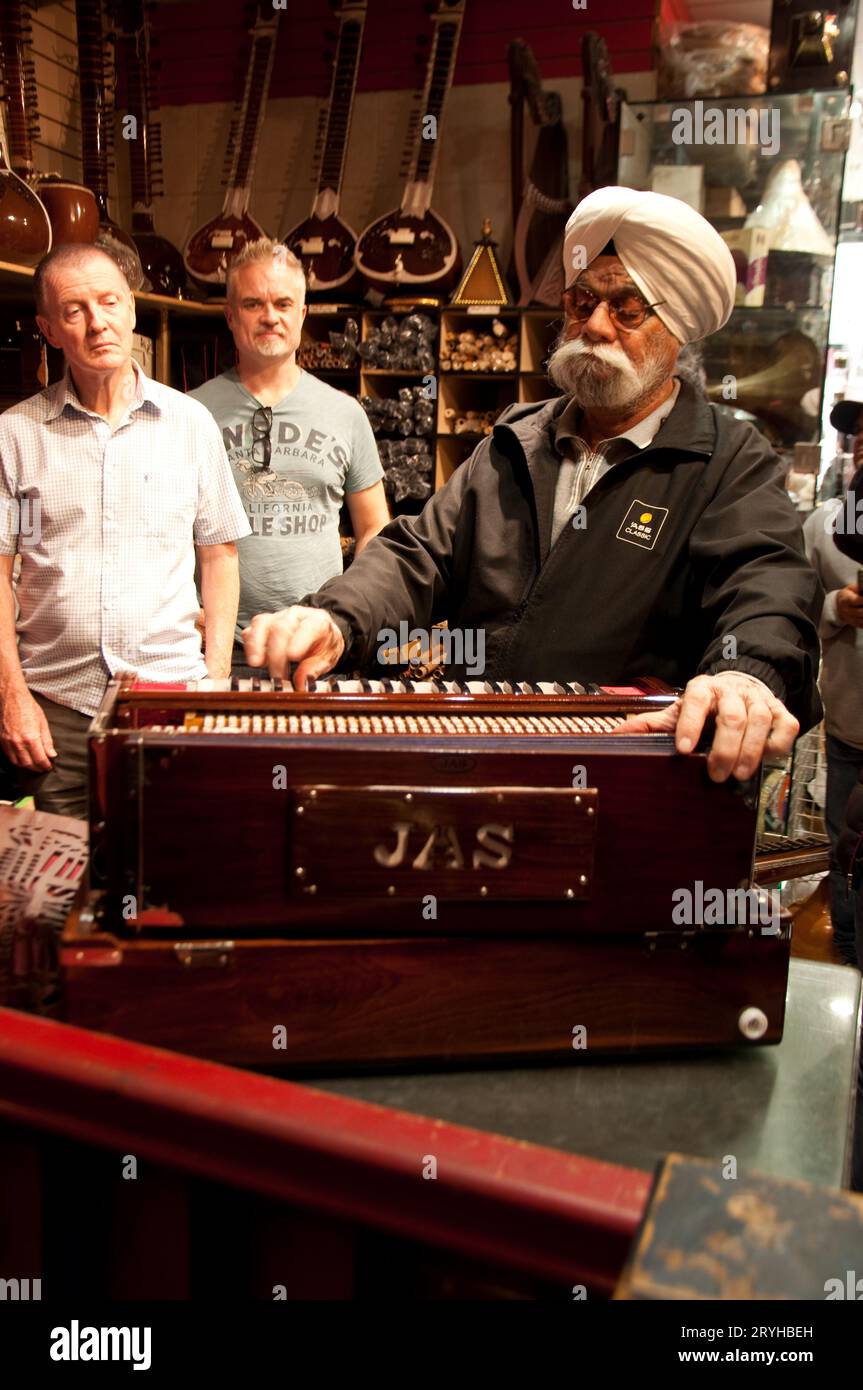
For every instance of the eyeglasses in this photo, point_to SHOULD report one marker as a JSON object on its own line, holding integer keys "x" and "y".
{"x": 262, "y": 444}
{"x": 627, "y": 310}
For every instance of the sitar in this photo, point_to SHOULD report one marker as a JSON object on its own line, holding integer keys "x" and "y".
{"x": 25, "y": 229}
{"x": 162, "y": 263}
{"x": 212, "y": 246}
{"x": 97, "y": 135}
{"x": 324, "y": 242}
{"x": 412, "y": 247}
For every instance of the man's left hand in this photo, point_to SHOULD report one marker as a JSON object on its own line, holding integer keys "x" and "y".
{"x": 751, "y": 723}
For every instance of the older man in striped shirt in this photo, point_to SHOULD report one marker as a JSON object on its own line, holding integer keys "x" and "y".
{"x": 109, "y": 485}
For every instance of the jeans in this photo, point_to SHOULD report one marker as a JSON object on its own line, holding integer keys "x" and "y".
{"x": 63, "y": 790}
{"x": 844, "y": 763}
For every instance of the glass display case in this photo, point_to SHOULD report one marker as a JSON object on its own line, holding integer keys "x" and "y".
{"x": 767, "y": 173}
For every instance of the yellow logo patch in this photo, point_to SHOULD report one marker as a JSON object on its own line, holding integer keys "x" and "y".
{"x": 642, "y": 524}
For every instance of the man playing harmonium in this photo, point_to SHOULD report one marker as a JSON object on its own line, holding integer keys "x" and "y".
{"x": 627, "y": 528}
{"x": 126, "y": 482}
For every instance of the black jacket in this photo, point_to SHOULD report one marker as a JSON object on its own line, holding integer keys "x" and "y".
{"x": 688, "y": 542}
{"x": 849, "y": 850}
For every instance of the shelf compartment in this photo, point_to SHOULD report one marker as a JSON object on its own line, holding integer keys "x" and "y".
{"x": 475, "y": 392}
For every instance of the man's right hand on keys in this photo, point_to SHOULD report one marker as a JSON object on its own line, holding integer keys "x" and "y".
{"x": 305, "y": 635}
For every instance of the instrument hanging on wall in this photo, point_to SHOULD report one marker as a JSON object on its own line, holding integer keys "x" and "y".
{"x": 97, "y": 135}
{"x": 211, "y": 247}
{"x": 600, "y": 126}
{"x": 412, "y": 247}
{"x": 25, "y": 229}
{"x": 324, "y": 242}
{"x": 540, "y": 198}
{"x": 70, "y": 207}
{"x": 162, "y": 263}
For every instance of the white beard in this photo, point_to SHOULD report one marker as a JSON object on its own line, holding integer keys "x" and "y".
{"x": 272, "y": 347}
{"x": 602, "y": 377}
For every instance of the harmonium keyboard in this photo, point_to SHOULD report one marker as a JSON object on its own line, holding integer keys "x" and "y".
{"x": 377, "y": 872}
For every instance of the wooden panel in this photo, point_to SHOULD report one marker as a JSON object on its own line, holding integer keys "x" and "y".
{"x": 21, "y": 1214}
{"x": 466, "y": 843}
{"x": 223, "y": 799}
{"x": 282, "y": 1004}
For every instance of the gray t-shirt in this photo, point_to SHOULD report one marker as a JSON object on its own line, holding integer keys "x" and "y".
{"x": 323, "y": 447}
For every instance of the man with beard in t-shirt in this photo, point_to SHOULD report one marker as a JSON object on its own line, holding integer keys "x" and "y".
{"x": 298, "y": 447}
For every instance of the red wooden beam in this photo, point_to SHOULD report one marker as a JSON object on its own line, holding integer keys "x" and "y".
{"x": 556, "y": 1216}
{"x": 203, "y": 45}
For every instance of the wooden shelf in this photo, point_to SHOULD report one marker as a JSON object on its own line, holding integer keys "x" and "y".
{"x": 395, "y": 371}
{"x": 477, "y": 376}
{"x": 19, "y": 276}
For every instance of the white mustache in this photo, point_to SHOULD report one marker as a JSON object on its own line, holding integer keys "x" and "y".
{"x": 612, "y": 353}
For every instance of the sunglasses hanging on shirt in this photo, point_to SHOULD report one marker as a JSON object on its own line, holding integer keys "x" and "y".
{"x": 262, "y": 444}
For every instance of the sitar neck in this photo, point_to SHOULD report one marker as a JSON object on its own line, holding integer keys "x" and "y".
{"x": 439, "y": 75}
{"x": 345, "y": 69}
{"x": 95, "y": 109}
{"x": 252, "y": 113}
{"x": 145, "y": 170}
{"x": 18, "y": 85}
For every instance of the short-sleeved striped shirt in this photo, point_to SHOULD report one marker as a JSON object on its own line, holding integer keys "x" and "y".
{"x": 106, "y": 521}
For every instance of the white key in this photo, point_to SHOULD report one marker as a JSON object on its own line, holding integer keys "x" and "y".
{"x": 546, "y": 687}
{"x": 244, "y": 684}
{"x": 424, "y": 688}
{"x": 376, "y": 687}
{"x": 478, "y": 687}
{"x": 345, "y": 687}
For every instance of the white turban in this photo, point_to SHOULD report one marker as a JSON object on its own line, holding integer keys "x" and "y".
{"x": 668, "y": 249}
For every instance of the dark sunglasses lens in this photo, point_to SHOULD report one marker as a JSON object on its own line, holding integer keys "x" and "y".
{"x": 630, "y": 312}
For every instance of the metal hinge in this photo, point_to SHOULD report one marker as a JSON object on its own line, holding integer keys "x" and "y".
{"x": 195, "y": 953}
{"x": 835, "y": 133}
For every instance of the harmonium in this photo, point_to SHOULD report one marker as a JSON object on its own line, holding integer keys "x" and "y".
{"x": 379, "y": 873}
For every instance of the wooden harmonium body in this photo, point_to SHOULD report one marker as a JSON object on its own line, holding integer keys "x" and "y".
{"x": 400, "y": 871}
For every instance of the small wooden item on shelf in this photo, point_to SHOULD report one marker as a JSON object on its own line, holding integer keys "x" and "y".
{"x": 483, "y": 282}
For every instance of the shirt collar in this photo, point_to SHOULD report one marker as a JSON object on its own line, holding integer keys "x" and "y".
{"x": 63, "y": 394}
{"x": 642, "y": 434}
